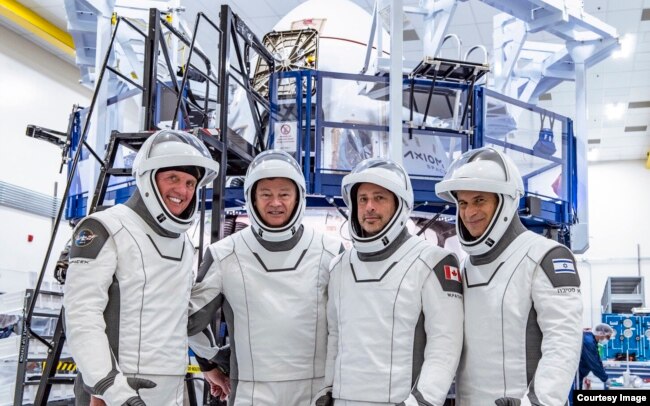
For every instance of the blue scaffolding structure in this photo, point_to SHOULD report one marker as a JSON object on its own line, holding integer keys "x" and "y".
{"x": 550, "y": 175}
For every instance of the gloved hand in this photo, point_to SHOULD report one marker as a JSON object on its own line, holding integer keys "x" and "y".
{"x": 140, "y": 383}
{"x": 507, "y": 402}
{"x": 121, "y": 392}
{"x": 324, "y": 397}
{"x": 137, "y": 384}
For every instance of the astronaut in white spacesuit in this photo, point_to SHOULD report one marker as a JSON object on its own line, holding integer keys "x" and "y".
{"x": 520, "y": 287}
{"x": 395, "y": 311}
{"x": 270, "y": 280}
{"x": 130, "y": 275}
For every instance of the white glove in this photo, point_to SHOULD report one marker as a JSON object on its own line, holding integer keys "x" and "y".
{"x": 124, "y": 391}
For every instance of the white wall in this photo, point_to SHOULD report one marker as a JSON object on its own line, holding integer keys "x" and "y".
{"x": 35, "y": 88}
{"x": 619, "y": 220}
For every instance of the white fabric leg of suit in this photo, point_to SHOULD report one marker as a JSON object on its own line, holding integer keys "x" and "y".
{"x": 295, "y": 393}
{"x": 169, "y": 390}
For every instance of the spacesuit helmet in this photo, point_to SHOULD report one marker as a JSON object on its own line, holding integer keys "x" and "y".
{"x": 484, "y": 170}
{"x": 172, "y": 150}
{"x": 274, "y": 164}
{"x": 391, "y": 176}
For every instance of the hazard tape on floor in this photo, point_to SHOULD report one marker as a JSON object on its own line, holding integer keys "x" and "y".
{"x": 66, "y": 366}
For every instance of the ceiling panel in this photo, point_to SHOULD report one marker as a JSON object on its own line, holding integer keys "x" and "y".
{"x": 468, "y": 34}
{"x": 482, "y": 12}
{"x": 643, "y": 47}
{"x": 640, "y": 93}
{"x": 623, "y": 4}
{"x": 464, "y": 12}
{"x": 595, "y": 6}
{"x": 595, "y": 94}
{"x": 616, "y": 79}
{"x": 620, "y": 92}
{"x": 625, "y": 20}
{"x": 486, "y": 30}
{"x": 644, "y": 27}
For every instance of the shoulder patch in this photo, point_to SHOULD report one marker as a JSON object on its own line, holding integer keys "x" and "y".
{"x": 448, "y": 273}
{"x": 88, "y": 239}
{"x": 560, "y": 267}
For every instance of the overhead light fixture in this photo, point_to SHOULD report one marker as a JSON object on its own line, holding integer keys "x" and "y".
{"x": 635, "y": 128}
{"x": 639, "y": 105}
{"x": 614, "y": 111}
{"x": 627, "y": 46}
{"x": 592, "y": 154}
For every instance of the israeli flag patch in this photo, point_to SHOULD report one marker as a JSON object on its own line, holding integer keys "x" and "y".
{"x": 563, "y": 266}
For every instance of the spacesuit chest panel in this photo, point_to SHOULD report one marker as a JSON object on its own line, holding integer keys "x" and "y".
{"x": 278, "y": 302}
{"x": 155, "y": 277}
{"x": 380, "y": 305}
{"x": 278, "y": 261}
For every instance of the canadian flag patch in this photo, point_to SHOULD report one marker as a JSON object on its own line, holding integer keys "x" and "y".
{"x": 452, "y": 273}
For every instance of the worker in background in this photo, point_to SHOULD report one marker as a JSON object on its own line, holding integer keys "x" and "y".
{"x": 128, "y": 284}
{"x": 590, "y": 360}
{"x": 9, "y": 325}
{"x": 521, "y": 287}
{"x": 270, "y": 280}
{"x": 395, "y": 310}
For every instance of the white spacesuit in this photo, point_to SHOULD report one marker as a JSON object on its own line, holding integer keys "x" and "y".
{"x": 395, "y": 310}
{"x": 271, "y": 283}
{"x": 523, "y": 309}
{"x": 129, "y": 280}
